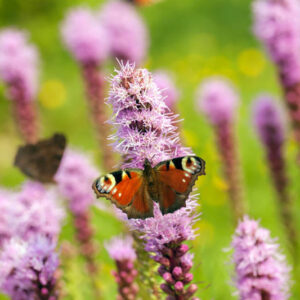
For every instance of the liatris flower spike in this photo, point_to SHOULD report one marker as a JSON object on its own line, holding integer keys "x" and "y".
{"x": 84, "y": 36}
{"x": 19, "y": 71}
{"x": 74, "y": 179}
{"x": 126, "y": 30}
{"x": 218, "y": 100}
{"x": 122, "y": 251}
{"x": 32, "y": 210}
{"x": 277, "y": 25}
{"x": 261, "y": 270}
{"x": 87, "y": 40}
{"x": 27, "y": 269}
{"x": 268, "y": 121}
{"x": 169, "y": 182}
{"x": 146, "y": 132}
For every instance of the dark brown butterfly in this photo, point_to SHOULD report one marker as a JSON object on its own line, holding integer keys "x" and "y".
{"x": 40, "y": 161}
{"x": 169, "y": 183}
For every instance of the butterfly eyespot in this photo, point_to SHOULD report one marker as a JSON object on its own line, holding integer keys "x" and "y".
{"x": 183, "y": 180}
{"x": 189, "y": 164}
{"x": 120, "y": 194}
{"x": 114, "y": 191}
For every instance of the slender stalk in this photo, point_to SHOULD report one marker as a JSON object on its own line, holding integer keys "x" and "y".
{"x": 95, "y": 90}
{"x": 227, "y": 148}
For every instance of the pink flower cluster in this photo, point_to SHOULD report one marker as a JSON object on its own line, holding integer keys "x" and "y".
{"x": 33, "y": 210}
{"x": 277, "y": 25}
{"x": 261, "y": 270}
{"x": 84, "y": 36}
{"x": 116, "y": 30}
{"x": 27, "y": 269}
{"x": 19, "y": 62}
{"x": 217, "y": 99}
{"x": 122, "y": 251}
{"x": 75, "y": 177}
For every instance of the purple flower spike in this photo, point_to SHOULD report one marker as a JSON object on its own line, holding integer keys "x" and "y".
{"x": 268, "y": 119}
{"x": 74, "y": 177}
{"x": 167, "y": 87}
{"x": 126, "y": 31}
{"x": 261, "y": 270}
{"x": 19, "y": 62}
{"x": 146, "y": 130}
{"x": 277, "y": 25}
{"x": 84, "y": 36}
{"x": 33, "y": 210}
{"x": 27, "y": 269}
{"x": 121, "y": 250}
{"x": 87, "y": 40}
{"x": 218, "y": 100}
{"x": 164, "y": 235}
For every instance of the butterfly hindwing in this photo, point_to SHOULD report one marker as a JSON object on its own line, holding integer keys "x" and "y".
{"x": 126, "y": 189}
{"x": 40, "y": 161}
{"x": 176, "y": 178}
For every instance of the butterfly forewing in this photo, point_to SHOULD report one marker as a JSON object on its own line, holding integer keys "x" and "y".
{"x": 40, "y": 161}
{"x": 126, "y": 189}
{"x": 176, "y": 178}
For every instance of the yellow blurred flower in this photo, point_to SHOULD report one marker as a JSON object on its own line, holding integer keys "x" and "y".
{"x": 251, "y": 62}
{"x": 52, "y": 94}
{"x": 220, "y": 183}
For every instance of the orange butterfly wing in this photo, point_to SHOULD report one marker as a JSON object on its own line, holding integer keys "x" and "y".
{"x": 126, "y": 189}
{"x": 176, "y": 178}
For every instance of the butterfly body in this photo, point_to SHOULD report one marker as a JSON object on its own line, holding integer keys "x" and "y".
{"x": 169, "y": 183}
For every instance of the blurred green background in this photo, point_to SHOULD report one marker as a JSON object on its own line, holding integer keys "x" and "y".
{"x": 193, "y": 39}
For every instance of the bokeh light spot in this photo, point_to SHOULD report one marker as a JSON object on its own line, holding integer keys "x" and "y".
{"x": 220, "y": 183}
{"x": 52, "y": 94}
{"x": 251, "y": 62}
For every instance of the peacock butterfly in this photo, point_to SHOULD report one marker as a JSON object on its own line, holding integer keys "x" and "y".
{"x": 169, "y": 183}
{"x": 41, "y": 160}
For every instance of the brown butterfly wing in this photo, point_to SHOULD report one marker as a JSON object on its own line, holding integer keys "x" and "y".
{"x": 40, "y": 161}
{"x": 176, "y": 178}
{"x": 127, "y": 190}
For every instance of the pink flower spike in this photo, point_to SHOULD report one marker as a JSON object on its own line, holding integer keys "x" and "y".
{"x": 269, "y": 123}
{"x": 27, "y": 269}
{"x": 261, "y": 270}
{"x": 19, "y": 64}
{"x": 145, "y": 130}
{"x": 84, "y": 36}
{"x": 217, "y": 99}
{"x": 126, "y": 31}
{"x": 122, "y": 251}
{"x": 277, "y": 25}
{"x": 19, "y": 70}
